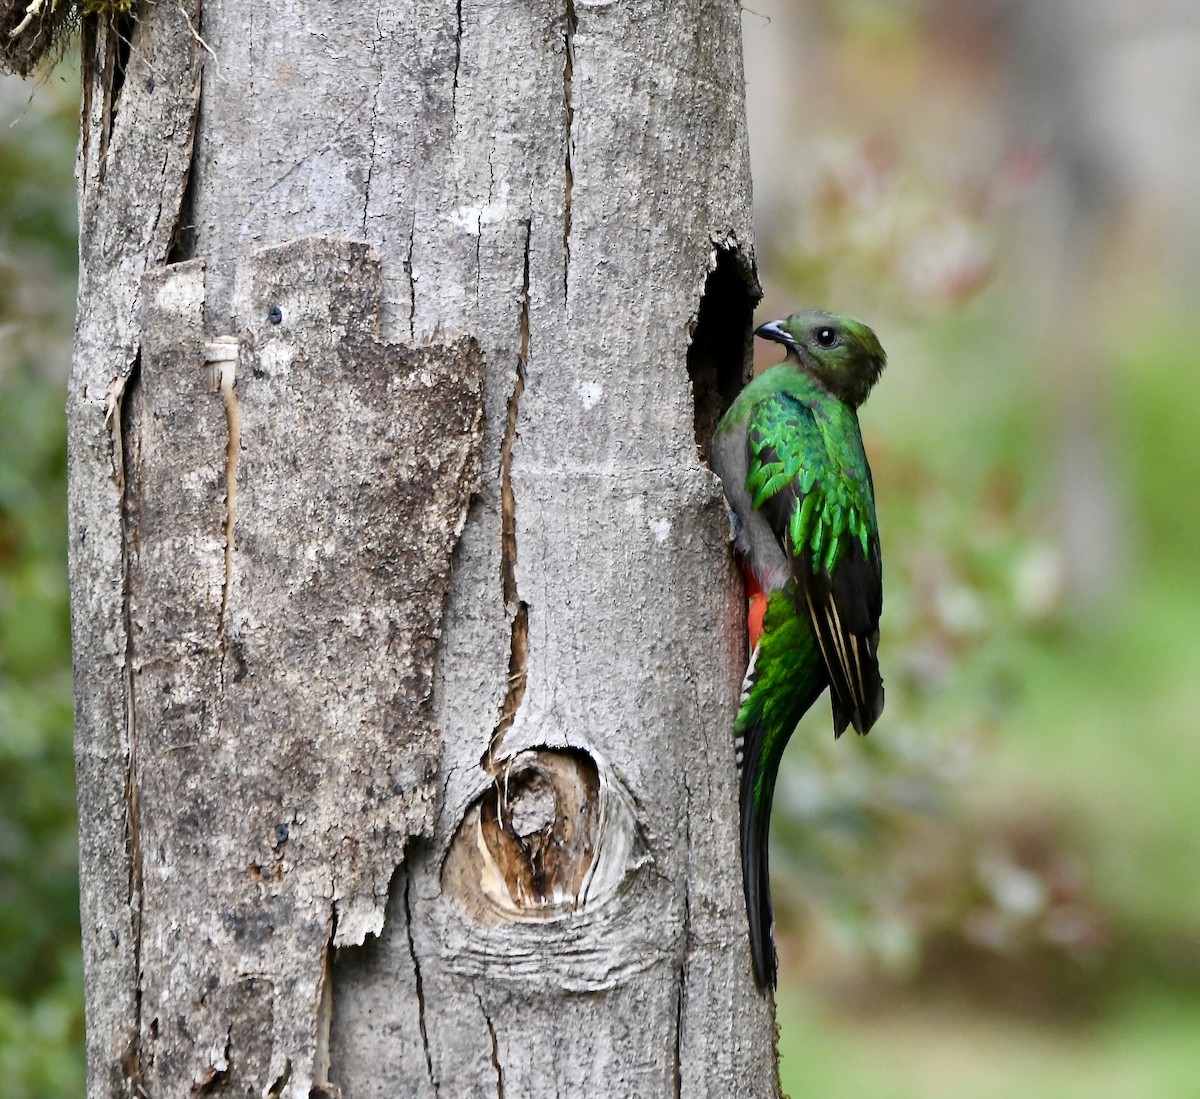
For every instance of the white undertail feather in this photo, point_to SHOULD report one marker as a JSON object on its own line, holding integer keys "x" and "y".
{"x": 835, "y": 632}
{"x": 812, "y": 614}
{"x": 739, "y": 744}
{"x": 862, "y": 687}
{"x": 748, "y": 681}
{"x": 845, "y": 650}
{"x": 839, "y": 640}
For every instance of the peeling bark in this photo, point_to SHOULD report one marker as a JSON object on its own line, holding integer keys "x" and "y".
{"x": 337, "y": 840}
{"x": 277, "y": 622}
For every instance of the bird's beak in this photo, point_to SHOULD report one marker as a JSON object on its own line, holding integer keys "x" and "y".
{"x": 774, "y": 331}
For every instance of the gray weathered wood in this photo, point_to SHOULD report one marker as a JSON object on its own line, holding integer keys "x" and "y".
{"x": 555, "y": 183}
{"x": 128, "y": 205}
{"x": 288, "y": 536}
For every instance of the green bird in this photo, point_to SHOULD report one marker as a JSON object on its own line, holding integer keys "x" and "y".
{"x": 790, "y": 456}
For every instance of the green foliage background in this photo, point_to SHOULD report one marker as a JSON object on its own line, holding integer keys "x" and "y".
{"x": 996, "y": 894}
{"x": 41, "y": 1017}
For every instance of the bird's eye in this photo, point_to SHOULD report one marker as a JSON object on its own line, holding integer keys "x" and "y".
{"x": 827, "y": 337}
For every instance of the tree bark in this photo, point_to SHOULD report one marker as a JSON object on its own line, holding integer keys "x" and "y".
{"x": 406, "y": 635}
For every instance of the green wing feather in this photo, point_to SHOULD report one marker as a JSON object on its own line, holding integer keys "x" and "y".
{"x": 808, "y": 475}
{"x": 835, "y": 500}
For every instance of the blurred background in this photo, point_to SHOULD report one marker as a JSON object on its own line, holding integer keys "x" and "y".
{"x": 997, "y": 894}
{"x": 41, "y": 984}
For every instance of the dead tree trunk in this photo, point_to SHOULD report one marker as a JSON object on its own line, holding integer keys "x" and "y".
{"x": 406, "y": 635}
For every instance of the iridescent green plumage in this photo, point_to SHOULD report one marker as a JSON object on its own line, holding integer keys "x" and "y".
{"x": 787, "y": 667}
{"x": 791, "y": 458}
{"x": 797, "y": 442}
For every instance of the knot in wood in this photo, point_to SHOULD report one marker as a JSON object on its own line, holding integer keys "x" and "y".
{"x": 529, "y": 847}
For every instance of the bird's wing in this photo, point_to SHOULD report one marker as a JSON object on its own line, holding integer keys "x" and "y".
{"x": 811, "y": 481}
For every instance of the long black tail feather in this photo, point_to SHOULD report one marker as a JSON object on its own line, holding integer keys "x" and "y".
{"x": 756, "y": 878}
{"x": 785, "y": 677}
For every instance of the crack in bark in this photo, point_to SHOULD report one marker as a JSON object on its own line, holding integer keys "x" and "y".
{"x": 513, "y": 604}
{"x": 479, "y": 248}
{"x": 681, "y": 1000}
{"x": 182, "y": 239}
{"x": 479, "y": 224}
{"x": 412, "y": 953}
{"x": 97, "y": 70}
{"x": 181, "y": 244}
{"x": 116, "y": 60}
{"x": 570, "y": 26}
{"x": 679, "y": 1004}
{"x": 458, "y": 34}
{"x": 412, "y": 281}
{"x": 370, "y": 170}
{"x": 120, "y": 424}
{"x": 226, "y": 379}
{"x": 88, "y": 42}
{"x": 495, "y": 1048}
{"x": 374, "y": 122}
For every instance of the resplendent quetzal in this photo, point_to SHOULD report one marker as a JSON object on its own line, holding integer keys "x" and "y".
{"x": 791, "y": 459}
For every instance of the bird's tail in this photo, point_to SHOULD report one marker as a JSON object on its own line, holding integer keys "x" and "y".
{"x": 783, "y": 680}
{"x": 757, "y": 792}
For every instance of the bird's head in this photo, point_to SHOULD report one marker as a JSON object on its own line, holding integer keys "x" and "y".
{"x": 840, "y": 354}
